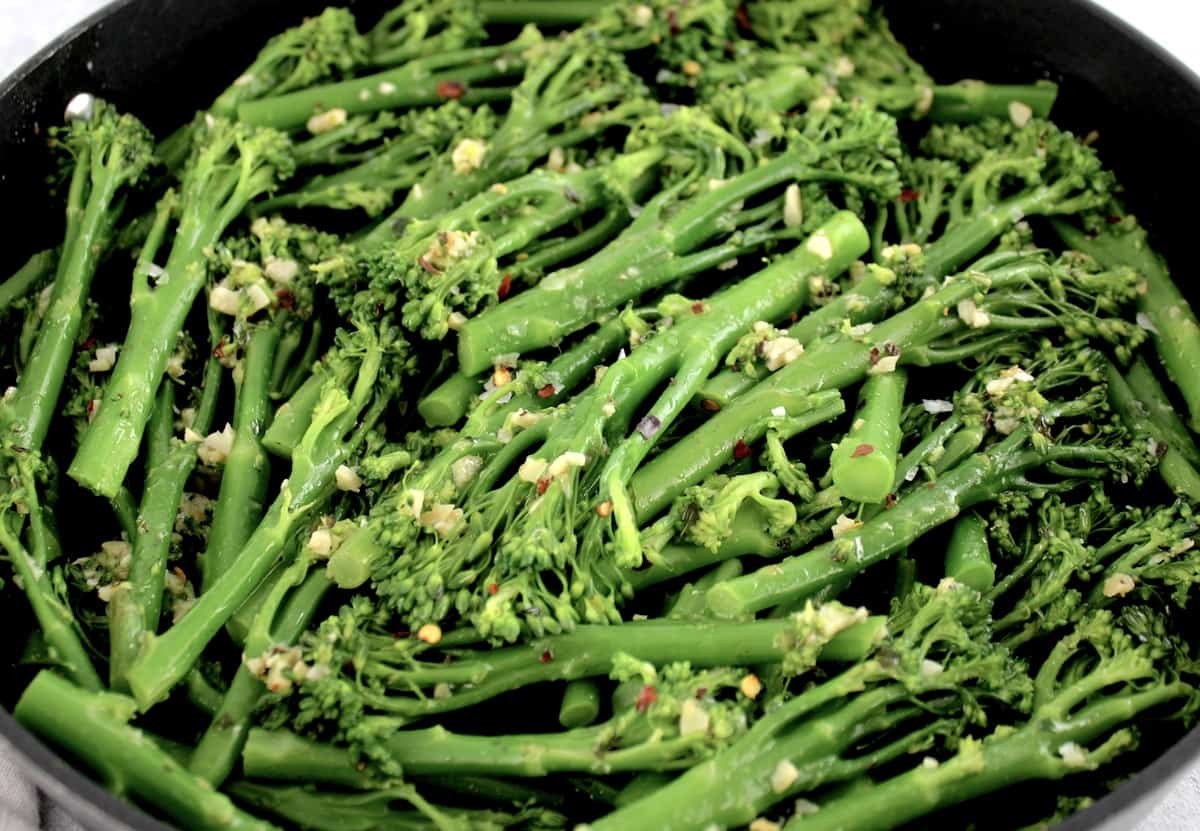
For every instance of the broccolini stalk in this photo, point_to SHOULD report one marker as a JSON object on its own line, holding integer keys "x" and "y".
{"x": 449, "y": 401}
{"x": 1002, "y": 467}
{"x": 135, "y": 607}
{"x": 572, "y": 91}
{"x": 1161, "y": 411}
{"x": 377, "y": 810}
{"x": 319, "y": 465}
{"x": 863, "y": 466}
{"x": 376, "y": 157}
{"x": 36, "y": 269}
{"x": 431, "y": 79}
{"x": 856, "y": 51}
{"x": 997, "y": 172}
{"x": 218, "y": 749}
{"x": 645, "y": 256}
{"x": 580, "y": 703}
{"x": 388, "y": 681}
{"x": 685, "y": 716}
{"x": 324, "y": 46}
{"x": 968, "y": 557}
{"x": 448, "y": 266}
{"x": 111, "y": 154}
{"x": 43, "y": 586}
{"x": 231, "y": 166}
{"x": 273, "y": 264}
{"x": 246, "y": 470}
{"x": 837, "y": 730}
{"x": 866, "y": 302}
{"x": 1021, "y": 285}
{"x": 98, "y": 723}
{"x": 1090, "y": 692}
{"x": 1174, "y": 468}
{"x": 422, "y": 28}
{"x": 1171, "y": 318}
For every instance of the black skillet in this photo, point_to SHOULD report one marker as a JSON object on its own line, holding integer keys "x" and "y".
{"x": 160, "y": 59}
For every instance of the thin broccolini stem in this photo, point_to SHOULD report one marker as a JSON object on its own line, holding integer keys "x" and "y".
{"x": 35, "y": 269}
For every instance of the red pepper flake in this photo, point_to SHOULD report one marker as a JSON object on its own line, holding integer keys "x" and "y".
{"x": 546, "y": 657}
{"x": 909, "y": 195}
{"x": 874, "y": 355}
{"x": 710, "y": 406}
{"x": 546, "y": 391}
{"x": 88, "y": 344}
{"x": 402, "y": 634}
{"x": 286, "y": 299}
{"x": 428, "y": 266}
{"x": 795, "y": 316}
{"x": 701, "y": 692}
{"x": 505, "y": 287}
{"x": 673, "y": 22}
{"x": 542, "y": 485}
{"x": 91, "y": 408}
{"x": 862, "y": 450}
{"x": 741, "y": 450}
{"x": 451, "y": 90}
{"x": 742, "y": 17}
{"x": 697, "y": 308}
{"x": 891, "y": 349}
{"x": 493, "y": 588}
{"x": 645, "y": 697}
{"x": 890, "y": 502}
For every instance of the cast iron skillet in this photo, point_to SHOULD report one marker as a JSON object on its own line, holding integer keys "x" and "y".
{"x": 160, "y": 59}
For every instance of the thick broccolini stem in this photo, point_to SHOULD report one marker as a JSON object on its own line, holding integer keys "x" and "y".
{"x": 542, "y": 12}
{"x": 111, "y": 154}
{"x": 1174, "y": 468}
{"x": 976, "y": 480}
{"x": 975, "y": 100}
{"x": 638, "y": 261}
{"x": 218, "y": 749}
{"x": 868, "y": 301}
{"x": 35, "y": 269}
{"x": 93, "y": 728}
{"x": 244, "y": 478}
{"x": 968, "y": 557}
{"x": 450, "y": 400}
{"x": 1161, "y": 411}
{"x": 1175, "y": 329}
{"x": 580, "y": 703}
{"x": 863, "y": 466}
{"x": 419, "y": 82}
{"x": 231, "y": 167}
{"x": 712, "y": 445}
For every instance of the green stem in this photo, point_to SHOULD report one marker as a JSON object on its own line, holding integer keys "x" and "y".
{"x": 450, "y": 400}
{"x": 413, "y": 84}
{"x": 97, "y": 733}
{"x": 1161, "y": 411}
{"x": 968, "y": 558}
{"x": 580, "y": 703}
{"x": 975, "y": 100}
{"x": 541, "y": 12}
{"x": 35, "y": 269}
{"x": 218, "y": 749}
{"x": 976, "y": 480}
{"x": 1174, "y": 468}
{"x": 863, "y": 465}
{"x": 587, "y": 652}
{"x": 247, "y": 469}
{"x": 135, "y": 610}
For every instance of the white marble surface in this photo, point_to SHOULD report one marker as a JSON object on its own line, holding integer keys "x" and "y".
{"x": 27, "y": 24}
